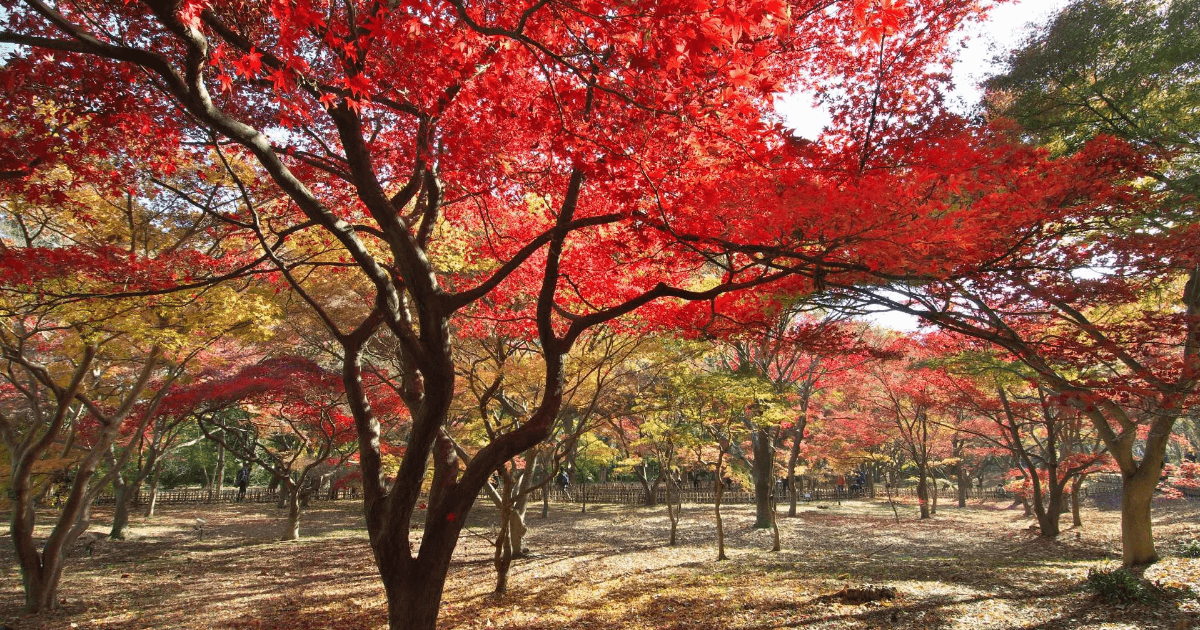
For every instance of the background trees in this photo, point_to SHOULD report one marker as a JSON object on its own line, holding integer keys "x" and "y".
{"x": 84, "y": 370}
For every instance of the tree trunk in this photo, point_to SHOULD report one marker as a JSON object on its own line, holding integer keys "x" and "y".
{"x": 964, "y": 484}
{"x": 717, "y": 511}
{"x": 793, "y": 459}
{"x": 292, "y": 532}
{"x": 516, "y": 532}
{"x": 674, "y": 506}
{"x": 650, "y": 489}
{"x": 764, "y": 477}
{"x": 1076, "y": 488}
{"x": 503, "y": 555}
{"x": 153, "y": 491}
{"x": 1137, "y": 493}
{"x": 218, "y": 476}
{"x": 414, "y": 590}
{"x": 1048, "y": 511}
{"x": 775, "y": 546}
{"x": 923, "y": 493}
{"x": 123, "y": 496}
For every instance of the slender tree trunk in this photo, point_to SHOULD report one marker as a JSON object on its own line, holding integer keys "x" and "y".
{"x": 153, "y": 502}
{"x": 717, "y": 511}
{"x": 1076, "y": 488}
{"x": 219, "y": 475}
{"x": 503, "y": 554}
{"x": 964, "y": 484}
{"x": 793, "y": 491}
{"x": 923, "y": 492}
{"x": 892, "y": 502}
{"x": 775, "y": 546}
{"x": 674, "y": 506}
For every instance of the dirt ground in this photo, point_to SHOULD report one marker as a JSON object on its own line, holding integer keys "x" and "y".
{"x": 978, "y": 567}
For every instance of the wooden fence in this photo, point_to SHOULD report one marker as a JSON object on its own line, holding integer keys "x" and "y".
{"x": 181, "y": 496}
{"x": 635, "y": 494}
{"x": 1103, "y": 495}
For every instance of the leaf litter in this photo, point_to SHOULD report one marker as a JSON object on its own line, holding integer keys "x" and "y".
{"x": 977, "y": 567}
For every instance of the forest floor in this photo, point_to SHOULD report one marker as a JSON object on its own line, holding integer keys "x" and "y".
{"x": 975, "y": 567}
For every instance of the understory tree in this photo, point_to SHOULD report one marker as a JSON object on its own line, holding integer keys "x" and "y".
{"x": 1052, "y": 443}
{"x": 84, "y": 371}
{"x": 284, "y": 414}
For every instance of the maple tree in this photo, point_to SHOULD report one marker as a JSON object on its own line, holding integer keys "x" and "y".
{"x": 911, "y": 395}
{"x": 284, "y": 414}
{"x": 1050, "y": 443}
{"x": 504, "y": 383}
{"x": 550, "y": 166}
{"x": 794, "y": 352}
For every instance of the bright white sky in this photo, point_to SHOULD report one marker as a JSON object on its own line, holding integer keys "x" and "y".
{"x": 1003, "y": 31}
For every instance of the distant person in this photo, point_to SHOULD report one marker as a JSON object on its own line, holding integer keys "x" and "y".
{"x": 243, "y": 481}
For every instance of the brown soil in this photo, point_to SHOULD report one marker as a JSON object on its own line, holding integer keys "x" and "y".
{"x": 979, "y": 567}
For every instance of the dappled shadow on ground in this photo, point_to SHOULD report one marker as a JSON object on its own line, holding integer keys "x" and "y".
{"x": 978, "y": 567}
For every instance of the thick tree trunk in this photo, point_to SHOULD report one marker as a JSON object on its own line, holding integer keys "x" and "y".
{"x": 1048, "y": 510}
{"x": 414, "y": 589}
{"x": 123, "y": 497}
{"x": 649, "y": 488}
{"x": 516, "y": 532}
{"x": 764, "y": 477}
{"x": 292, "y": 531}
{"x": 1137, "y": 540}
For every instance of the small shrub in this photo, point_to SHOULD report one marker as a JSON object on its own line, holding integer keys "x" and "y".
{"x": 1118, "y": 586}
{"x": 1190, "y": 549}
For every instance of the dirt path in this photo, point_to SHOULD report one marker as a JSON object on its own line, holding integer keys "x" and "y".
{"x": 979, "y": 567}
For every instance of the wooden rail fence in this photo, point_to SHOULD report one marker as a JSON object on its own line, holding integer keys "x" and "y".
{"x": 1103, "y": 495}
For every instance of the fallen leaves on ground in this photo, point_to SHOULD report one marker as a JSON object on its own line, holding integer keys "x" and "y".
{"x": 974, "y": 567}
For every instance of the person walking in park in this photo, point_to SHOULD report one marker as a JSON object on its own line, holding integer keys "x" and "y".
{"x": 243, "y": 480}
{"x": 564, "y": 482}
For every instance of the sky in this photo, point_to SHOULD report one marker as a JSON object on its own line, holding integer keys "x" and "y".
{"x": 1003, "y": 31}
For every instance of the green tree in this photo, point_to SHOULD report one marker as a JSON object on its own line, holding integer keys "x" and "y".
{"x": 1125, "y": 68}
